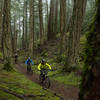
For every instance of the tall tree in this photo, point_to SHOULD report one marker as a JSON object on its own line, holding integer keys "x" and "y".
{"x": 90, "y": 86}
{"x": 19, "y": 33}
{"x": 62, "y": 23}
{"x": 56, "y": 18}
{"x": 7, "y": 52}
{"x": 47, "y": 10}
{"x": 41, "y": 22}
{"x": 31, "y": 29}
{"x": 75, "y": 29}
{"x": 26, "y": 25}
{"x": 15, "y": 34}
{"x": 23, "y": 35}
{"x": 50, "y": 34}
{"x": 46, "y": 20}
{"x": 1, "y": 11}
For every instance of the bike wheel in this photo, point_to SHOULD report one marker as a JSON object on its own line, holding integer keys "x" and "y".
{"x": 46, "y": 82}
{"x": 15, "y": 61}
{"x": 27, "y": 70}
{"x": 31, "y": 72}
{"x": 41, "y": 79}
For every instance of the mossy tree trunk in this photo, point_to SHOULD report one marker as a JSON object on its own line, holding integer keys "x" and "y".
{"x": 50, "y": 34}
{"x": 75, "y": 29}
{"x": 7, "y": 48}
{"x": 90, "y": 86}
{"x": 0, "y": 26}
{"x": 47, "y": 14}
{"x": 41, "y": 22}
{"x": 15, "y": 35}
{"x": 1, "y": 11}
{"x": 56, "y": 18}
{"x": 62, "y": 23}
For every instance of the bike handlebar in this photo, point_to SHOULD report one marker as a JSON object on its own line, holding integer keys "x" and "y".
{"x": 47, "y": 70}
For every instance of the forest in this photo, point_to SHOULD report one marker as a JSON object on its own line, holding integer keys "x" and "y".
{"x": 49, "y": 49}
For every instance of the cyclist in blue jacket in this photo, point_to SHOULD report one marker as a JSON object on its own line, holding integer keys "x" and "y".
{"x": 28, "y": 62}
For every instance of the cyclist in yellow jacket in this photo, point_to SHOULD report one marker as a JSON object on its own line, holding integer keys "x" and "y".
{"x": 43, "y": 67}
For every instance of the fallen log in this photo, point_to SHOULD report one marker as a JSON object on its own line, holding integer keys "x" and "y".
{"x": 11, "y": 92}
{"x": 22, "y": 96}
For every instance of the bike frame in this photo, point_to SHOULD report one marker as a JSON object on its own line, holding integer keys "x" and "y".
{"x": 44, "y": 77}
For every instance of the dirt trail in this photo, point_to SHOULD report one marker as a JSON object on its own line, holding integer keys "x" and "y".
{"x": 66, "y": 91}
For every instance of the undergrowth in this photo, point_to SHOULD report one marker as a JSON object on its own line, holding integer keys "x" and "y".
{"x": 18, "y": 83}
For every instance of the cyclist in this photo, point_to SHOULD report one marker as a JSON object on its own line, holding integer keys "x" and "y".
{"x": 28, "y": 63}
{"x": 16, "y": 58}
{"x": 43, "y": 67}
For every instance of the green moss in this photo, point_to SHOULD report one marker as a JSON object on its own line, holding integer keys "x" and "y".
{"x": 1, "y": 66}
{"x": 83, "y": 39}
{"x": 6, "y": 96}
{"x": 91, "y": 57}
{"x": 7, "y": 66}
{"x": 68, "y": 79}
{"x": 1, "y": 55}
{"x": 18, "y": 83}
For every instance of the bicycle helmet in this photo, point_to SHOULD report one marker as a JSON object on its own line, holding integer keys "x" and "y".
{"x": 43, "y": 61}
{"x": 29, "y": 58}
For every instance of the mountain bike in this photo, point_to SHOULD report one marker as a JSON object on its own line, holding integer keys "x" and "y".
{"x": 15, "y": 61}
{"x": 44, "y": 78}
{"x": 29, "y": 70}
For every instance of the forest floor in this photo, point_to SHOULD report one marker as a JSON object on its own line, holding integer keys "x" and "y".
{"x": 16, "y": 86}
{"x": 63, "y": 84}
{"x": 61, "y": 90}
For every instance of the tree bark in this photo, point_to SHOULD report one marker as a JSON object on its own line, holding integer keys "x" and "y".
{"x": 47, "y": 9}
{"x": 62, "y": 23}
{"x": 23, "y": 35}
{"x": 15, "y": 35}
{"x": 7, "y": 49}
{"x": 41, "y": 22}
{"x": 75, "y": 29}
{"x": 56, "y": 18}
{"x": 19, "y": 33}
{"x": 0, "y": 27}
{"x": 90, "y": 85}
{"x": 50, "y": 35}
{"x": 31, "y": 29}
{"x": 1, "y": 11}
{"x": 46, "y": 20}
{"x": 26, "y": 31}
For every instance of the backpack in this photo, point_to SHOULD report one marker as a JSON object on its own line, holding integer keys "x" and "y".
{"x": 29, "y": 62}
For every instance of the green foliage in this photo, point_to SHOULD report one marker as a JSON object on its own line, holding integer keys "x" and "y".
{"x": 6, "y": 96}
{"x": 97, "y": 2}
{"x": 90, "y": 11}
{"x": 44, "y": 54}
{"x": 69, "y": 79}
{"x": 66, "y": 66}
{"x": 58, "y": 35}
{"x": 82, "y": 39}
{"x": 1, "y": 66}
{"x": 7, "y": 65}
{"x": 61, "y": 58}
{"x": 18, "y": 83}
{"x": 1, "y": 55}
